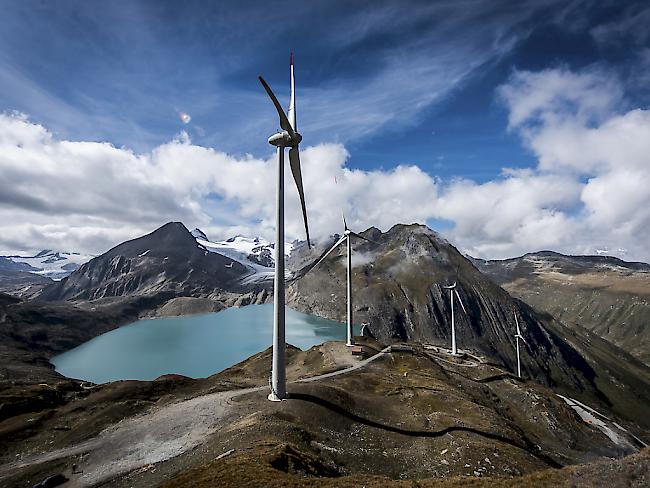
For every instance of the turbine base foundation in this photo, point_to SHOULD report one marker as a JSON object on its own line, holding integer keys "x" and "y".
{"x": 274, "y": 398}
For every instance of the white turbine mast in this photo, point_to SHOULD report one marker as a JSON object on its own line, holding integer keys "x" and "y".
{"x": 347, "y": 238}
{"x": 287, "y": 137}
{"x": 453, "y": 291}
{"x": 517, "y": 337}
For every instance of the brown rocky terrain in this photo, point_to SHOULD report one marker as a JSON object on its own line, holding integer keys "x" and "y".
{"x": 399, "y": 419}
{"x": 603, "y": 294}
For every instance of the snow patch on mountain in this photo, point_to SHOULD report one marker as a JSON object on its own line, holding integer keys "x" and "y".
{"x": 256, "y": 253}
{"x": 52, "y": 264}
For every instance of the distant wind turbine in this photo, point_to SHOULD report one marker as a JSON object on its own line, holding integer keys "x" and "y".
{"x": 346, "y": 237}
{"x": 517, "y": 337}
{"x": 452, "y": 290}
{"x": 288, "y": 137}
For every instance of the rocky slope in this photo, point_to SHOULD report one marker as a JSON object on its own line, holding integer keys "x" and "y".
{"x": 31, "y": 332}
{"x": 398, "y": 283}
{"x": 608, "y": 296}
{"x": 23, "y": 284}
{"x": 168, "y": 262}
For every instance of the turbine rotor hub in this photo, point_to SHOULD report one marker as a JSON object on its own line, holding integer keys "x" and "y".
{"x": 284, "y": 139}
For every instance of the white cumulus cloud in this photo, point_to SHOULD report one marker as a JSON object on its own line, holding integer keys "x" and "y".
{"x": 588, "y": 191}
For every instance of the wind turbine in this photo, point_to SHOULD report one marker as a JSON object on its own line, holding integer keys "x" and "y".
{"x": 452, "y": 290}
{"x": 517, "y": 337}
{"x": 287, "y": 137}
{"x": 347, "y": 238}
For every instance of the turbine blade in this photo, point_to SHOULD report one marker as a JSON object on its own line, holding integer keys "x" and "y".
{"x": 517, "y": 323}
{"x": 361, "y": 237}
{"x": 292, "y": 103}
{"x": 284, "y": 122}
{"x": 460, "y": 301}
{"x": 294, "y": 162}
{"x": 336, "y": 244}
{"x": 345, "y": 224}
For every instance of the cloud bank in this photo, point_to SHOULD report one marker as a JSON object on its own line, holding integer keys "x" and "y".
{"x": 588, "y": 191}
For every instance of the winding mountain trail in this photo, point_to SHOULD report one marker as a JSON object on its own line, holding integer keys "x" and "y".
{"x": 155, "y": 436}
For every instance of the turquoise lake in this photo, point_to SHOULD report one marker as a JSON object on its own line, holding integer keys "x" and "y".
{"x": 195, "y": 346}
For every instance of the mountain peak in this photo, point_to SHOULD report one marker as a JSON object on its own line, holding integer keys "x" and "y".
{"x": 163, "y": 262}
{"x": 171, "y": 227}
{"x": 169, "y": 234}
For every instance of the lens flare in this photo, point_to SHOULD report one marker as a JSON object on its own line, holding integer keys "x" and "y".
{"x": 185, "y": 118}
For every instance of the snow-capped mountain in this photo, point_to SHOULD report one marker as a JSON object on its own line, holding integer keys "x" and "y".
{"x": 52, "y": 264}
{"x": 256, "y": 253}
{"x": 199, "y": 234}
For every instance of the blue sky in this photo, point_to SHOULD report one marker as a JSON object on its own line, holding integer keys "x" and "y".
{"x": 394, "y": 83}
{"x": 120, "y": 72}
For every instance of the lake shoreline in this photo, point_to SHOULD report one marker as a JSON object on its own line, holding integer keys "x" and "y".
{"x": 196, "y": 345}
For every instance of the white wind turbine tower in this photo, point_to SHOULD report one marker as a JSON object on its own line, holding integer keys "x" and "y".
{"x": 517, "y": 337}
{"x": 346, "y": 237}
{"x": 288, "y": 137}
{"x": 452, "y": 290}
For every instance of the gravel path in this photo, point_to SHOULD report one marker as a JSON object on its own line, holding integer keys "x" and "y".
{"x": 617, "y": 434}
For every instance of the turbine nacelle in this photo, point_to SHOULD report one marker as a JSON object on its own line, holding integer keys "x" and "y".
{"x": 284, "y": 139}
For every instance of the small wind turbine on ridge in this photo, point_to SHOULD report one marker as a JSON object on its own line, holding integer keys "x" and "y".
{"x": 347, "y": 238}
{"x": 517, "y": 337}
{"x": 287, "y": 137}
{"x": 453, "y": 291}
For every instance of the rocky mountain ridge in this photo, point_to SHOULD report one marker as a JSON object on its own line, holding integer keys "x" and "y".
{"x": 603, "y": 294}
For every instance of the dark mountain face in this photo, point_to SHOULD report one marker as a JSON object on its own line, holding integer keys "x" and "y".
{"x": 167, "y": 261}
{"x": 603, "y": 294}
{"x": 398, "y": 289}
